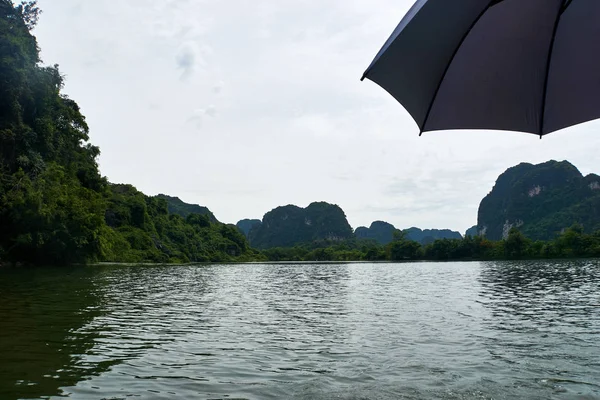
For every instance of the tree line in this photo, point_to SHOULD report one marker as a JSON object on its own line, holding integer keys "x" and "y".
{"x": 571, "y": 243}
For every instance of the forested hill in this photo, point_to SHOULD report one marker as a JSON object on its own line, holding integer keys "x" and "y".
{"x": 177, "y": 206}
{"x": 55, "y": 207}
{"x": 291, "y": 225}
{"x": 52, "y": 196}
{"x": 541, "y": 201}
{"x": 380, "y": 231}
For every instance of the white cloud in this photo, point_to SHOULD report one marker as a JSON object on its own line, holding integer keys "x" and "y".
{"x": 186, "y": 60}
{"x": 199, "y": 115}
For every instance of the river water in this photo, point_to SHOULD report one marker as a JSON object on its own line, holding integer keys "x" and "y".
{"x": 489, "y": 330}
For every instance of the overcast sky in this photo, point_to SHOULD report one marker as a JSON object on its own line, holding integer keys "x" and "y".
{"x": 243, "y": 106}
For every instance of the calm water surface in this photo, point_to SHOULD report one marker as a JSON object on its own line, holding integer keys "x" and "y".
{"x": 346, "y": 331}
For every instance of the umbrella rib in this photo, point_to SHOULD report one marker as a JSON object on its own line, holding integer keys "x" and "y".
{"x": 567, "y": 4}
{"x": 437, "y": 90}
{"x": 550, "y": 51}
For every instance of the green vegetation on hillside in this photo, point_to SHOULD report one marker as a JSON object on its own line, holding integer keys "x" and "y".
{"x": 291, "y": 225}
{"x": 541, "y": 200}
{"x": 142, "y": 229}
{"x": 177, "y": 206}
{"x": 51, "y": 194}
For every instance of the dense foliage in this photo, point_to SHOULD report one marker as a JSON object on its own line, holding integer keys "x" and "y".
{"x": 179, "y": 207}
{"x": 55, "y": 207}
{"x": 142, "y": 229}
{"x": 51, "y": 194}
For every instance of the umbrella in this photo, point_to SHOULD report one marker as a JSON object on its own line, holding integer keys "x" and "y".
{"x": 517, "y": 65}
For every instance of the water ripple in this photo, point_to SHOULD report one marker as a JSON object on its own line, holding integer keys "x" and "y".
{"x": 306, "y": 331}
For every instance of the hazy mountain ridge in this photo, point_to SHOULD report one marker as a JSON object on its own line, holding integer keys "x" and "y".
{"x": 246, "y": 225}
{"x": 383, "y": 233}
{"x": 426, "y": 236}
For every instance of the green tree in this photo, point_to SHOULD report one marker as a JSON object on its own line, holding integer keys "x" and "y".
{"x": 401, "y": 248}
{"x": 52, "y": 219}
{"x": 29, "y": 12}
{"x": 516, "y": 245}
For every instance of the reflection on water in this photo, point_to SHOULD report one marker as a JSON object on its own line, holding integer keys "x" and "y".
{"x": 306, "y": 331}
{"x": 43, "y": 336}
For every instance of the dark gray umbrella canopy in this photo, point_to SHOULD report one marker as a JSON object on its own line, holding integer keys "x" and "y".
{"x": 517, "y": 65}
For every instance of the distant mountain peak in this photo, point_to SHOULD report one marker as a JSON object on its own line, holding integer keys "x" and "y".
{"x": 383, "y": 233}
{"x": 290, "y": 225}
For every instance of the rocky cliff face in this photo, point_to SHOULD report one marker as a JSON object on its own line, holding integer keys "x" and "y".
{"x": 291, "y": 225}
{"x": 541, "y": 200}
